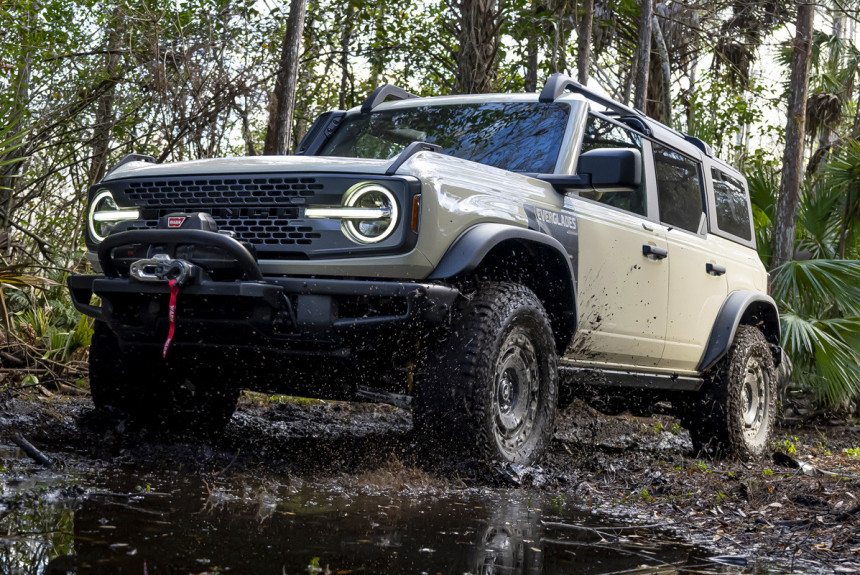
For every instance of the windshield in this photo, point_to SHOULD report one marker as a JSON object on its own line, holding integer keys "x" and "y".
{"x": 515, "y": 136}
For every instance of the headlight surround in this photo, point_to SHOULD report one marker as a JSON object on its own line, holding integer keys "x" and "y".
{"x": 368, "y": 213}
{"x": 104, "y": 214}
{"x": 372, "y": 197}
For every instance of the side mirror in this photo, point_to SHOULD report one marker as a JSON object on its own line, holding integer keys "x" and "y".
{"x": 611, "y": 167}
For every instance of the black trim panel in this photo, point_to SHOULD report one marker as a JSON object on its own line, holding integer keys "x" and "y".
{"x": 631, "y": 379}
{"x": 467, "y": 253}
{"x": 729, "y": 318}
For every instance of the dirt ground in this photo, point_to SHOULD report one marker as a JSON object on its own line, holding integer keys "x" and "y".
{"x": 799, "y": 509}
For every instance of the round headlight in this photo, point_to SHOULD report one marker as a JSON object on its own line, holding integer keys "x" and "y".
{"x": 370, "y": 196}
{"x": 104, "y": 214}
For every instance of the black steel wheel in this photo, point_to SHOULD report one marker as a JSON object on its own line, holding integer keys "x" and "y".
{"x": 491, "y": 385}
{"x": 737, "y": 406}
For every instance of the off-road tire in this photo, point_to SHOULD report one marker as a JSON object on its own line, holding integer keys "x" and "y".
{"x": 159, "y": 395}
{"x": 735, "y": 412}
{"x": 489, "y": 386}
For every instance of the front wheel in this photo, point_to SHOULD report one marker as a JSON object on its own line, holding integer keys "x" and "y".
{"x": 491, "y": 385}
{"x": 737, "y": 408}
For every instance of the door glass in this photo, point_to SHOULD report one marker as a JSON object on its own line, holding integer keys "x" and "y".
{"x": 679, "y": 189}
{"x": 733, "y": 210}
{"x": 602, "y": 134}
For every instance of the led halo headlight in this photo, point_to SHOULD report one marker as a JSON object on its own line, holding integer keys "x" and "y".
{"x": 379, "y": 202}
{"x": 104, "y": 214}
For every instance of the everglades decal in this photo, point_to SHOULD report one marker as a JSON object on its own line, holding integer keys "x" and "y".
{"x": 555, "y": 218}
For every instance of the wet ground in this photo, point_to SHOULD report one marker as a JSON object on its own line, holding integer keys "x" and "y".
{"x": 312, "y": 487}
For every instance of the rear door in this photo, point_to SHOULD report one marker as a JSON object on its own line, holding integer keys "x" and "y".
{"x": 697, "y": 281}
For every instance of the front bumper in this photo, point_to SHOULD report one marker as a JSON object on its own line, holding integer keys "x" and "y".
{"x": 254, "y": 310}
{"x": 242, "y": 312}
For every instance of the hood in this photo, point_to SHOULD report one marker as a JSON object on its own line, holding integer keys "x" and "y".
{"x": 252, "y": 165}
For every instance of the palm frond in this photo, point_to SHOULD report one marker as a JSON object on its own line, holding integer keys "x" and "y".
{"x": 816, "y": 285}
{"x": 835, "y": 372}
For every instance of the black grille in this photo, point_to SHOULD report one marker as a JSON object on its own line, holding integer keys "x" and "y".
{"x": 260, "y": 210}
{"x": 220, "y": 192}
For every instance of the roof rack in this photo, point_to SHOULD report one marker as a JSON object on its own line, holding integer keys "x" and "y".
{"x": 558, "y": 83}
{"x": 383, "y": 93}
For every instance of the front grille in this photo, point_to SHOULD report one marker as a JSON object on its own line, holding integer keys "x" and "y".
{"x": 260, "y": 232}
{"x": 263, "y": 211}
{"x": 222, "y": 191}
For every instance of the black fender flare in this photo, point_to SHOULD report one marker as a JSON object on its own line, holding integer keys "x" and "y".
{"x": 740, "y": 305}
{"x": 470, "y": 249}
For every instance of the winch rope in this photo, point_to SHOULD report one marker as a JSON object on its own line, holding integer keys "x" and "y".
{"x": 171, "y": 316}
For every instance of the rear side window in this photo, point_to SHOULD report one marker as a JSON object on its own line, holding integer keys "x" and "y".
{"x": 733, "y": 209}
{"x": 679, "y": 189}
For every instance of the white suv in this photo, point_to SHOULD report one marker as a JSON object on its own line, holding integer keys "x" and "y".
{"x": 477, "y": 259}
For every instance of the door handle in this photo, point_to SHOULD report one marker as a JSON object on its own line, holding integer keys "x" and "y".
{"x": 715, "y": 269}
{"x": 654, "y": 252}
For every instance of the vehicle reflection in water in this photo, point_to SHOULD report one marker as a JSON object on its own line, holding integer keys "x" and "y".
{"x": 180, "y": 524}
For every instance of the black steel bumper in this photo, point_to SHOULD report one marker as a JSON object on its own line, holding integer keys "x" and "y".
{"x": 279, "y": 308}
{"x": 255, "y": 310}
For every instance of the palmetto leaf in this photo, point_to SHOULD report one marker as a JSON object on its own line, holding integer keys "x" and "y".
{"x": 813, "y": 286}
{"x": 16, "y": 276}
{"x": 836, "y": 370}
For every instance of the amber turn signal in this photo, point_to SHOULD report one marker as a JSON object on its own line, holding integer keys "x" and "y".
{"x": 416, "y": 209}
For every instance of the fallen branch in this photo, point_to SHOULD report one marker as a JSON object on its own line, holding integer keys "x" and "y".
{"x": 30, "y": 450}
{"x": 848, "y": 514}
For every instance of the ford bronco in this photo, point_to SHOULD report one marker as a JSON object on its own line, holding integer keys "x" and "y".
{"x": 477, "y": 259}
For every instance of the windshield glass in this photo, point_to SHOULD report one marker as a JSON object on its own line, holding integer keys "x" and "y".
{"x": 515, "y": 136}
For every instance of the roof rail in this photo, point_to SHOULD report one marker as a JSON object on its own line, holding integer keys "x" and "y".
{"x": 701, "y": 144}
{"x": 383, "y": 93}
{"x": 559, "y": 83}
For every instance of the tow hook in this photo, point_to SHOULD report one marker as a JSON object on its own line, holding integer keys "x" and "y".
{"x": 162, "y": 268}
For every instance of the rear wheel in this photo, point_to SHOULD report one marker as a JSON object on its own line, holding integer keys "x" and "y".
{"x": 491, "y": 385}
{"x": 157, "y": 394}
{"x": 737, "y": 407}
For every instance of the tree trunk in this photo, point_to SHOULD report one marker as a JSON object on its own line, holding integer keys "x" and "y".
{"x": 530, "y": 81}
{"x": 663, "y": 53}
{"x": 691, "y": 112}
{"x": 281, "y": 113}
{"x": 643, "y": 56}
{"x": 478, "y": 26}
{"x": 104, "y": 112}
{"x": 345, "y": 39}
{"x": 792, "y": 158}
{"x": 583, "y": 54}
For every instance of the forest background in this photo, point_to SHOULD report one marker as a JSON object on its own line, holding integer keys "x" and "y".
{"x": 770, "y": 84}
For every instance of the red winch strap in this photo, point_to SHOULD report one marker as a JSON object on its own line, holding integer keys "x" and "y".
{"x": 171, "y": 316}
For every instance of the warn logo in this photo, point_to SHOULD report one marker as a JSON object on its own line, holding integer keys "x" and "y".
{"x": 175, "y": 222}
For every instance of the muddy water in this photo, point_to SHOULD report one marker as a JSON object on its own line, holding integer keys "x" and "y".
{"x": 129, "y": 520}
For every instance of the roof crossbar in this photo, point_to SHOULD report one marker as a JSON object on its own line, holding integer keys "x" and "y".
{"x": 559, "y": 83}
{"x": 383, "y": 93}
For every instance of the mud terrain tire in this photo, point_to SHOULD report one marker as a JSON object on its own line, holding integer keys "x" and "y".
{"x": 158, "y": 395}
{"x": 737, "y": 408}
{"x": 490, "y": 386}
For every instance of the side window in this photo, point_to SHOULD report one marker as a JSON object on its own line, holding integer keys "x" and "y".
{"x": 679, "y": 189}
{"x": 733, "y": 209}
{"x": 602, "y": 134}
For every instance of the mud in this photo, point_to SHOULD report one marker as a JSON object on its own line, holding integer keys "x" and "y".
{"x": 308, "y": 487}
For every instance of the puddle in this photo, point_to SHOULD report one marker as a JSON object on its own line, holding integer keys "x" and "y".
{"x": 137, "y": 521}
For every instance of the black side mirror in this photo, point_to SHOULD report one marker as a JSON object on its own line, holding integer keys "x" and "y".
{"x": 611, "y": 167}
